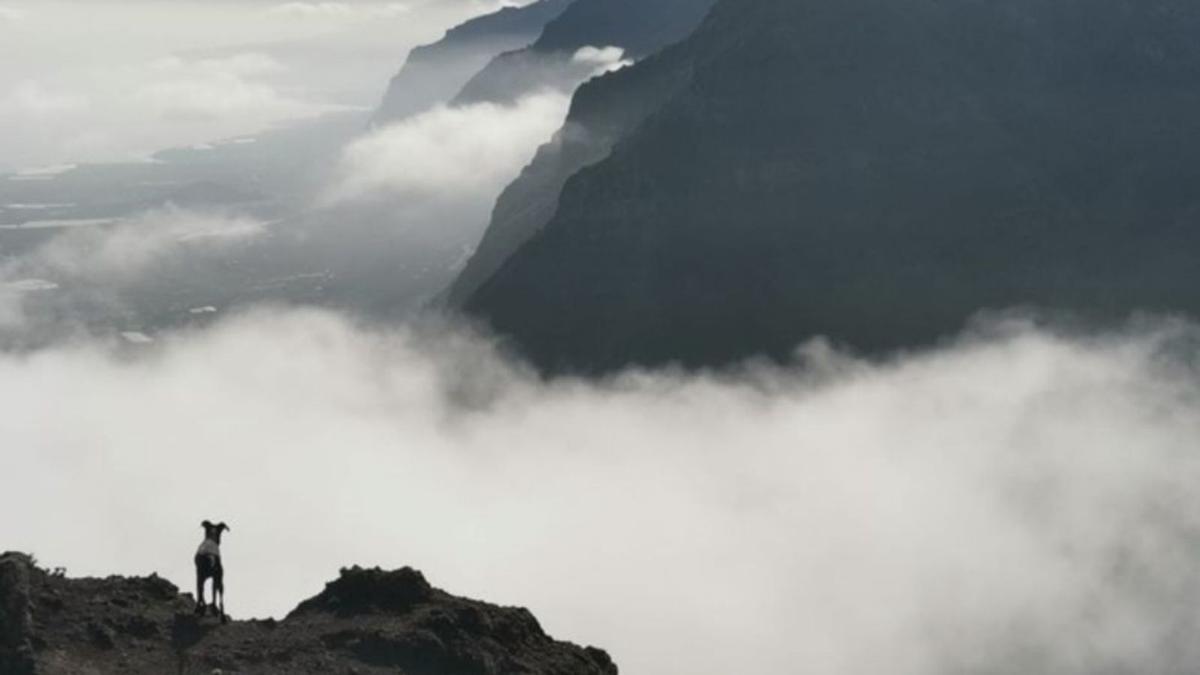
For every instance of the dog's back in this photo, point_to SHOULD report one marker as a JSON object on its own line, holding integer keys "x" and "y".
{"x": 209, "y": 548}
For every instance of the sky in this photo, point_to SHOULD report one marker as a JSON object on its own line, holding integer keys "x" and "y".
{"x": 108, "y": 80}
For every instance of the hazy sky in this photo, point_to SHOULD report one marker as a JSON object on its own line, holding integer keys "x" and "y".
{"x": 175, "y": 77}
{"x": 88, "y": 80}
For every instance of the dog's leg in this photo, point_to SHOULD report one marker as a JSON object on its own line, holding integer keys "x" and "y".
{"x": 199, "y": 593}
{"x": 219, "y": 590}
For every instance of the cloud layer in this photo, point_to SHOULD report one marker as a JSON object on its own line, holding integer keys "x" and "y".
{"x": 1019, "y": 501}
{"x": 449, "y": 150}
{"x": 93, "y": 263}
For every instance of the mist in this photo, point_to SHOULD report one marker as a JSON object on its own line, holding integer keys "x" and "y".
{"x": 1018, "y": 499}
{"x": 449, "y": 152}
{"x": 175, "y": 73}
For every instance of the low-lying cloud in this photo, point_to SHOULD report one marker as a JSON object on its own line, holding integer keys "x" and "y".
{"x": 95, "y": 262}
{"x": 126, "y": 247}
{"x": 449, "y": 150}
{"x": 1018, "y": 501}
{"x": 602, "y": 59}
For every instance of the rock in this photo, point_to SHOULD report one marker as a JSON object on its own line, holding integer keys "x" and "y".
{"x": 360, "y": 590}
{"x": 16, "y": 620}
{"x": 366, "y": 621}
{"x": 876, "y": 173}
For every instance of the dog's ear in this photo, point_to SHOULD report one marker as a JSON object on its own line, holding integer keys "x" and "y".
{"x": 206, "y": 525}
{"x": 222, "y": 526}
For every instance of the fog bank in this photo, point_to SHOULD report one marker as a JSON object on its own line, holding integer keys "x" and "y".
{"x": 1018, "y": 501}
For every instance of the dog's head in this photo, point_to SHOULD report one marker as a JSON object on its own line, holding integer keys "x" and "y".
{"x": 213, "y": 531}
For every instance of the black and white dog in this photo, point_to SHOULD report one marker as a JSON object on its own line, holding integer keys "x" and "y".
{"x": 208, "y": 566}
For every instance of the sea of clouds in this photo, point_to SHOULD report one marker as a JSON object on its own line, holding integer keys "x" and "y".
{"x": 1018, "y": 499}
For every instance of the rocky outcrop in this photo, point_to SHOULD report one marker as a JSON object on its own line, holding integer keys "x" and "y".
{"x": 16, "y": 620}
{"x": 875, "y": 172}
{"x": 366, "y": 621}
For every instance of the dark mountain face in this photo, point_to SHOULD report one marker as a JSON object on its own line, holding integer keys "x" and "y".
{"x": 640, "y": 27}
{"x": 604, "y": 110}
{"x": 435, "y": 73}
{"x": 876, "y": 172}
{"x": 366, "y": 621}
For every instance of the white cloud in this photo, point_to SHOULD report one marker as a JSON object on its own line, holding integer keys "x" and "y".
{"x": 94, "y": 263}
{"x": 340, "y": 10}
{"x": 246, "y": 64}
{"x": 449, "y": 150}
{"x": 311, "y": 9}
{"x": 124, "y": 249}
{"x": 32, "y": 98}
{"x": 175, "y": 88}
{"x": 1020, "y": 503}
{"x": 602, "y": 59}
{"x": 11, "y": 13}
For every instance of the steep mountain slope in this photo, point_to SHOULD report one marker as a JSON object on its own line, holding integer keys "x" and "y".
{"x": 435, "y": 73}
{"x": 876, "y": 172}
{"x": 367, "y": 621}
{"x": 603, "y": 110}
{"x": 639, "y": 27}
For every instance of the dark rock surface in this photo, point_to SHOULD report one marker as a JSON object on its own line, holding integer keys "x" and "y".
{"x": 602, "y": 112}
{"x": 872, "y": 171}
{"x": 366, "y": 621}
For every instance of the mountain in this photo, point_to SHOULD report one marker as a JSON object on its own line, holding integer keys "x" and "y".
{"x": 366, "y": 621}
{"x": 603, "y": 110}
{"x": 638, "y": 27}
{"x": 872, "y": 171}
{"x": 435, "y": 73}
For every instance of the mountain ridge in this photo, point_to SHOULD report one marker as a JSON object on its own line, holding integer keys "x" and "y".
{"x": 638, "y": 27}
{"x": 436, "y": 72}
{"x": 876, "y": 174}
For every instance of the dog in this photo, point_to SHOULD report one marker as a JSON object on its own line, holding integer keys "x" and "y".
{"x": 208, "y": 566}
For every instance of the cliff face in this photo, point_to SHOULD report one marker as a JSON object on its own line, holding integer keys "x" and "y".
{"x": 602, "y": 111}
{"x": 435, "y": 73}
{"x": 876, "y": 172}
{"x": 639, "y": 27}
{"x": 367, "y": 621}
